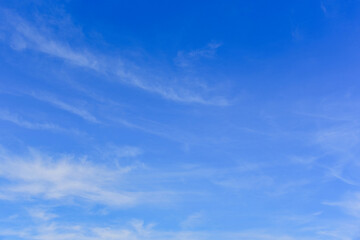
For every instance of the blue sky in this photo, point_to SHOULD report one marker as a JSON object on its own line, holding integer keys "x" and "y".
{"x": 180, "y": 120}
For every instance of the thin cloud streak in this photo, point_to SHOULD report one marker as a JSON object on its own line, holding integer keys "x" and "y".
{"x": 68, "y": 179}
{"x": 138, "y": 230}
{"x": 7, "y": 116}
{"x": 24, "y": 36}
{"x": 65, "y": 106}
{"x": 21, "y": 122}
{"x": 187, "y": 59}
{"x": 349, "y": 204}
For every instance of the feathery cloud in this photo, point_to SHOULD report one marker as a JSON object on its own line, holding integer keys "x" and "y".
{"x": 21, "y": 35}
{"x": 39, "y": 176}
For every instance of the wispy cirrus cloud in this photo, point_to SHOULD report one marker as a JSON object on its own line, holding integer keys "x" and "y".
{"x": 350, "y": 203}
{"x": 55, "y": 101}
{"x": 73, "y": 179}
{"x": 193, "y": 220}
{"x": 335, "y": 139}
{"x": 81, "y": 112}
{"x": 21, "y": 122}
{"x": 115, "y": 152}
{"x": 68, "y": 179}
{"x": 13, "y": 118}
{"x": 340, "y": 145}
{"x": 186, "y": 59}
{"x": 136, "y": 230}
{"x": 41, "y": 214}
{"x": 21, "y": 35}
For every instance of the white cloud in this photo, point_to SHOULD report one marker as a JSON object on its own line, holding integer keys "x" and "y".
{"x": 42, "y": 214}
{"x": 340, "y": 146}
{"x": 187, "y": 59}
{"x": 15, "y": 119}
{"x": 323, "y": 7}
{"x": 193, "y": 220}
{"x": 69, "y": 179}
{"x": 7, "y": 116}
{"x": 177, "y": 93}
{"x": 23, "y": 35}
{"x": 350, "y": 204}
{"x": 159, "y": 129}
{"x": 137, "y": 230}
{"x": 39, "y": 176}
{"x": 65, "y": 106}
{"x": 119, "y": 152}
{"x": 335, "y": 139}
{"x": 339, "y": 139}
{"x": 245, "y": 182}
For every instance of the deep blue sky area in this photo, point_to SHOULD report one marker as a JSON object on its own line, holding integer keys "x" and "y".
{"x": 180, "y": 120}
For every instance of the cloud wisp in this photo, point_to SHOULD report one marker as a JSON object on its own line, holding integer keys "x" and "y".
{"x": 21, "y": 35}
{"x": 187, "y": 59}
{"x": 69, "y": 179}
{"x": 7, "y": 116}
{"x": 21, "y": 122}
{"x": 37, "y": 175}
{"x": 84, "y": 114}
{"x": 136, "y": 230}
{"x": 350, "y": 204}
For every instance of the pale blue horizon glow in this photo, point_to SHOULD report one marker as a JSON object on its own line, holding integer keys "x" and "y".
{"x": 177, "y": 120}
